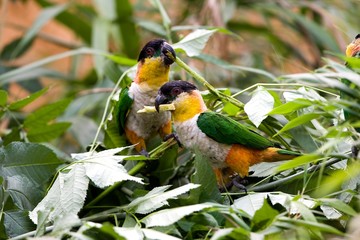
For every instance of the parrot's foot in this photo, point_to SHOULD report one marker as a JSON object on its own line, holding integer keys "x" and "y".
{"x": 144, "y": 153}
{"x": 355, "y": 151}
{"x": 240, "y": 183}
{"x": 236, "y": 181}
{"x": 174, "y": 136}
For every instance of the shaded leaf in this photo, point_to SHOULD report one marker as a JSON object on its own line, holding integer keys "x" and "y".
{"x": 17, "y": 222}
{"x": 299, "y": 161}
{"x": 41, "y": 116}
{"x": 170, "y": 216}
{"x": 205, "y": 177}
{"x": 46, "y": 15}
{"x": 8, "y": 52}
{"x": 299, "y": 121}
{"x": 292, "y": 106}
{"x": 194, "y": 42}
{"x": 25, "y": 101}
{"x": 3, "y": 98}
{"x": 27, "y": 167}
{"x": 47, "y": 132}
{"x": 263, "y": 217}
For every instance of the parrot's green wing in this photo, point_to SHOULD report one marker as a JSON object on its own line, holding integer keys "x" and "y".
{"x": 226, "y": 130}
{"x": 122, "y": 108}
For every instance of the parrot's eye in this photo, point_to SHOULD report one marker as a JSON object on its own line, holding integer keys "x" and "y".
{"x": 150, "y": 52}
{"x": 175, "y": 91}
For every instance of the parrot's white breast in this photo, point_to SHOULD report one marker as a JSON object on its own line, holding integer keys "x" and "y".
{"x": 193, "y": 138}
{"x": 145, "y": 125}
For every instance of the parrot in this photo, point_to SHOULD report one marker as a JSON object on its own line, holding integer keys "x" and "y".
{"x": 352, "y": 50}
{"x": 230, "y": 147}
{"x": 152, "y": 72}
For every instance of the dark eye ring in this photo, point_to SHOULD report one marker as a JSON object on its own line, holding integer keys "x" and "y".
{"x": 175, "y": 91}
{"x": 150, "y": 51}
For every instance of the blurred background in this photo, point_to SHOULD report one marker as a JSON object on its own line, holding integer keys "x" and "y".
{"x": 280, "y": 37}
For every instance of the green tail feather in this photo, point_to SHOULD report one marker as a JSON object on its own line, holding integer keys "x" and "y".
{"x": 288, "y": 152}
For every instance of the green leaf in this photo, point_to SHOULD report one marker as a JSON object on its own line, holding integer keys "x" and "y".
{"x": 299, "y": 161}
{"x": 165, "y": 17}
{"x": 194, "y": 42}
{"x": 167, "y": 165}
{"x": 104, "y": 232}
{"x": 25, "y": 101}
{"x": 339, "y": 205}
{"x": 82, "y": 28}
{"x": 84, "y": 129}
{"x": 205, "y": 177}
{"x": 47, "y": 132}
{"x": 17, "y": 222}
{"x": 292, "y": 106}
{"x": 99, "y": 41}
{"x": 127, "y": 29}
{"x": 170, "y": 216}
{"x": 46, "y": 15}
{"x": 152, "y": 27}
{"x": 299, "y": 121}
{"x": 112, "y": 137}
{"x": 313, "y": 225}
{"x": 259, "y": 105}
{"x": 27, "y": 167}
{"x": 8, "y": 52}
{"x": 263, "y": 217}
{"x": 106, "y": 9}
{"x": 157, "y": 198}
{"x": 3, "y": 98}
{"x": 41, "y": 116}
{"x": 66, "y": 196}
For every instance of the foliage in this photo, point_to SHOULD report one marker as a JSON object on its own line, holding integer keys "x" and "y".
{"x": 65, "y": 172}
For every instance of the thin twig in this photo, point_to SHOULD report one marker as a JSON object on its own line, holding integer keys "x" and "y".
{"x": 288, "y": 179}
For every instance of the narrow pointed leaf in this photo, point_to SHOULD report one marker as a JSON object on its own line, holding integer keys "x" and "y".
{"x": 29, "y": 99}
{"x": 169, "y": 216}
{"x": 157, "y": 198}
{"x": 299, "y": 121}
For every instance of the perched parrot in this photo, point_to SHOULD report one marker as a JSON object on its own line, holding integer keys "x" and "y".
{"x": 230, "y": 147}
{"x": 352, "y": 50}
{"x": 152, "y": 72}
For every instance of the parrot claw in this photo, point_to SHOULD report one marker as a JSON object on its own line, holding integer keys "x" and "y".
{"x": 175, "y": 136}
{"x": 236, "y": 181}
{"x": 144, "y": 153}
{"x": 240, "y": 183}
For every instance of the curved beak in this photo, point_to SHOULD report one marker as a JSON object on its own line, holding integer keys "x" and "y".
{"x": 160, "y": 99}
{"x": 168, "y": 53}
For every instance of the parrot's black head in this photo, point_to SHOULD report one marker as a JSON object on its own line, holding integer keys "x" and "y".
{"x": 169, "y": 91}
{"x": 158, "y": 48}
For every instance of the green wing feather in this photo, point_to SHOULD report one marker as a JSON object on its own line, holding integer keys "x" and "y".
{"x": 122, "y": 108}
{"x": 226, "y": 130}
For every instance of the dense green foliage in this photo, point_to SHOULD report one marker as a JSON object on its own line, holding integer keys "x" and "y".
{"x": 66, "y": 172}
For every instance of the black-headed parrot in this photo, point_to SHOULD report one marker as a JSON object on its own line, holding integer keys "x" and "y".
{"x": 230, "y": 146}
{"x": 152, "y": 72}
{"x": 352, "y": 50}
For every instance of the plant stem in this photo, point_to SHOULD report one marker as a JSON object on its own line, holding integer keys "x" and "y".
{"x": 213, "y": 90}
{"x": 271, "y": 185}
